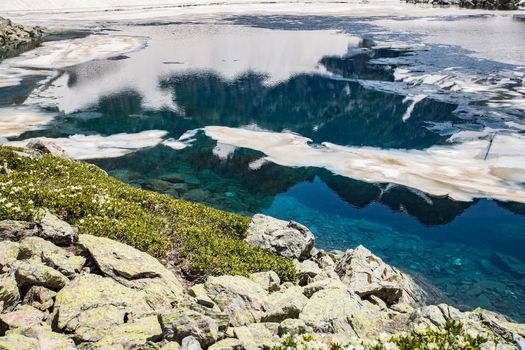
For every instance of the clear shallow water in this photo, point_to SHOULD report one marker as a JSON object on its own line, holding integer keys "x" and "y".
{"x": 329, "y": 85}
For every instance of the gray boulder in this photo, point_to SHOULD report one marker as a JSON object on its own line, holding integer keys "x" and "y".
{"x": 91, "y": 305}
{"x": 9, "y": 294}
{"x": 269, "y": 280}
{"x": 16, "y": 230}
{"x": 287, "y": 238}
{"x": 240, "y": 297}
{"x": 39, "y": 297}
{"x": 338, "y": 311}
{"x": 293, "y": 326}
{"x": 42, "y": 337}
{"x": 45, "y": 146}
{"x": 131, "y": 335}
{"x": 366, "y": 274}
{"x": 25, "y": 316}
{"x": 133, "y": 268}
{"x": 257, "y": 335}
{"x": 190, "y": 343}
{"x": 183, "y": 322}
{"x": 53, "y": 229}
{"x": 8, "y": 254}
{"x": 35, "y": 273}
{"x": 284, "y": 304}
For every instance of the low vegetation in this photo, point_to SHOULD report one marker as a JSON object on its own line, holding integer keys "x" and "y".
{"x": 453, "y": 336}
{"x": 203, "y": 240}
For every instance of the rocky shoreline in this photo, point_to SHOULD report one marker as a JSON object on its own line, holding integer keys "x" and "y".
{"x": 475, "y": 4}
{"x": 60, "y": 289}
{"x": 15, "y": 37}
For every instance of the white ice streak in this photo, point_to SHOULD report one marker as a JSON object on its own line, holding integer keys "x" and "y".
{"x": 17, "y": 120}
{"x": 413, "y": 102}
{"x": 464, "y": 171}
{"x": 183, "y": 141}
{"x": 97, "y": 147}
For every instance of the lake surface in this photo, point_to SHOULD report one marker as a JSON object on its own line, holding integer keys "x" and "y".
{"x": 369, "y": 131}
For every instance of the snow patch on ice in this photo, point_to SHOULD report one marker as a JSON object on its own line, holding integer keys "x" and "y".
{"x": 464, "y": 171}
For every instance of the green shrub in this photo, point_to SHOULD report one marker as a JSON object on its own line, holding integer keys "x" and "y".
{"x": 208, "y": 241}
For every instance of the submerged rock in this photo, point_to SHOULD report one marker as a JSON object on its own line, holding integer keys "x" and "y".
{"x": 289, "y": 239}
{"x": 366, "y": 274}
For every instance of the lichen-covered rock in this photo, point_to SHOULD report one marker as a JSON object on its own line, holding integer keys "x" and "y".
{"x": 39, "y": 297}
{"x": 69, "y": 266}
{"x": 53, "y": 229}
{"x": 91, "y": 305}
{"x": 131, "y": 267}
{"x": 45, "y": 146}
{"x": 240, "y": 297}
{"x": 46, "y": 339}
{"x": 285, "y": 304}
{"x": 289, "y": 239}
{"x": 171, "y": 345}
{"x": 328, "y": 283}
{"x": 199, "y": 293}
{"x": 18, "y": 342}
{"x": 131, "y": 335}
{"x": 257, "y": 335}
{"x": 9, "y": 294}
{"x": 337, "y": 311}
{"x": 227, "y": 344}
{"x": 293, "y": 326}
{"x": 38, "y": 248}
{"x": 309, "y": 271}
{"x": 34, "y": 273}
{"x": 16, "y": 230}
{"x": 8, "y": 254}
{"x": 190, "y": 343}
{"x": 268, "y": 280}
{"x": 183, "y": 322}
{"x": 24, "y": 317}
{"x": 366, "y": 274}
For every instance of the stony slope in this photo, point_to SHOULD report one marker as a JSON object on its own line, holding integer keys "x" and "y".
{"x": 61, "y": 289}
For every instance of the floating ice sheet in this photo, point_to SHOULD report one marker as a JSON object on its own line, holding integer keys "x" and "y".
{"x": 96, "y": 146}
{"x": 464, "y": 171}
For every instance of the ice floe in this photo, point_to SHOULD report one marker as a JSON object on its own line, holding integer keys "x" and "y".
{"x": 492, "y": 168}
{"x": 96, "y": 146}
{"x": 17, "y": 120}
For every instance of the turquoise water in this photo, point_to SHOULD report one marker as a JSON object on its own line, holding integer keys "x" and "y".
{"x": 474, "y": 252}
